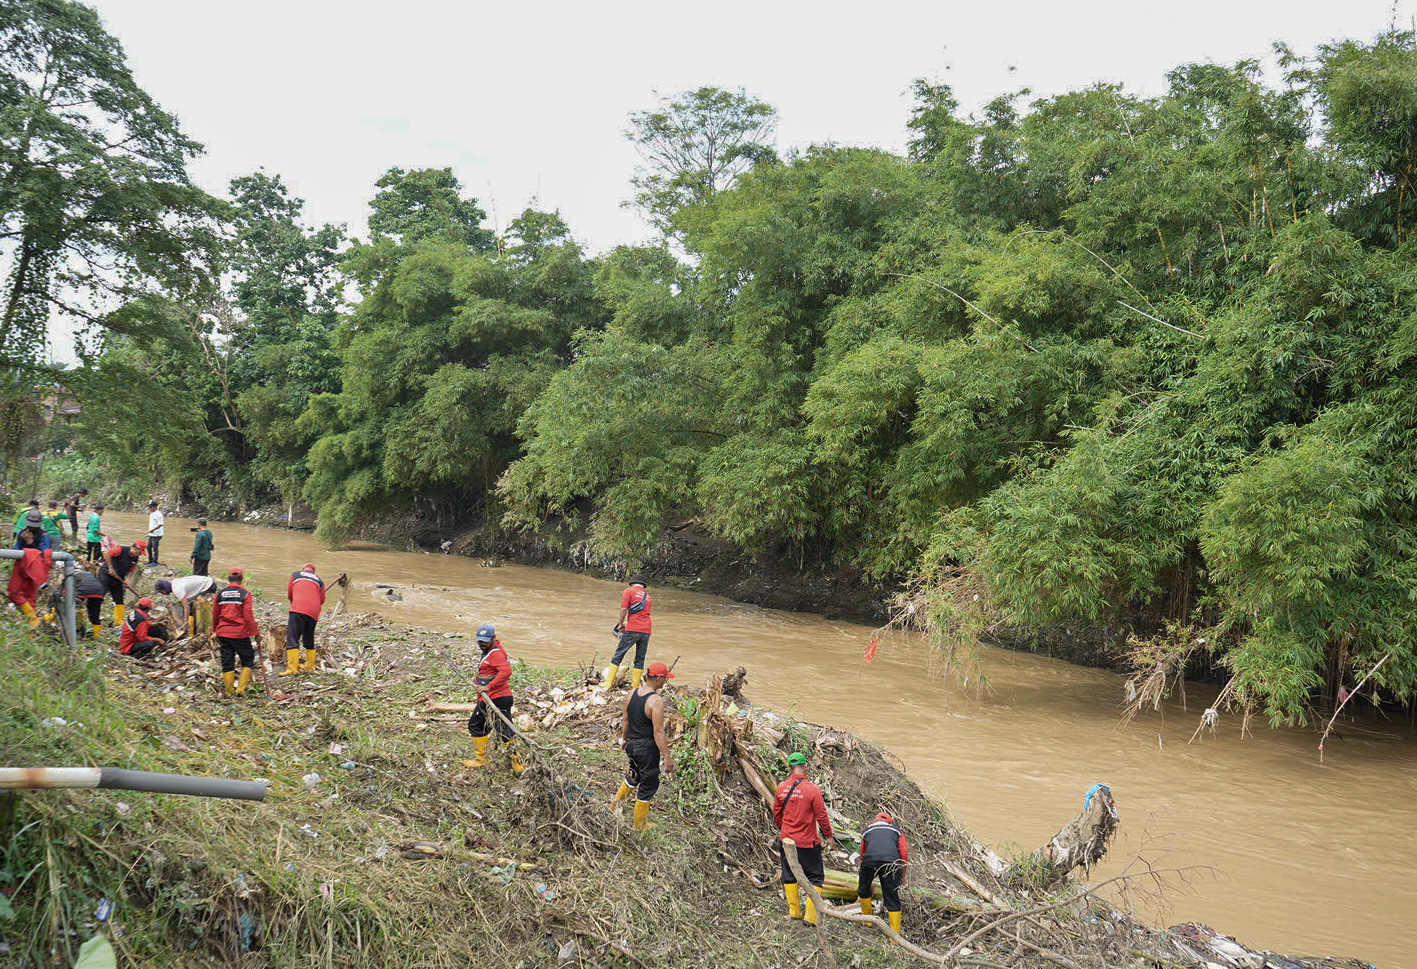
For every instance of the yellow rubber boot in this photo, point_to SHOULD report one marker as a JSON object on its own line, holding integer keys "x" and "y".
{"x": 97, "y": 631}
{"x": 118, "y": 614}
{"x": 228, "y": 683}
{"x": 810, "y": 914}
{"x": 517, "y": 765}
{"x": 292, "y": 662}
{"x": 243, "y": 681}
{"x": 309, "y": 665}
{"x": 642, "y": 815}
{"x": 611, "y": 672}
{"x": 794, "y": 900}
{"x": 30, "y": 617}
{"x": 622, "y": 795}
{"x": 866, "y": 906}
{"x": 479, "y": 744}
{"x": 635, "y": 676}
{"x": 895, "y": 920}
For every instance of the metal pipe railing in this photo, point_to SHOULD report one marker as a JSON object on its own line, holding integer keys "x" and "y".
{"x": 66, "y": 615}
{"x": 118, "y": 778}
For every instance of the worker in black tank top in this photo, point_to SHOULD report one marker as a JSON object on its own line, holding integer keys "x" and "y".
{"x": 642, "y": 735}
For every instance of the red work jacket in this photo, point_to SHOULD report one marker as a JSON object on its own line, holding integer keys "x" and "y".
{"x": 799, "y": 811}
{"x": 306, "y": 592}
{"x": 233, "y": 616}
{"x": 494, "y": 673}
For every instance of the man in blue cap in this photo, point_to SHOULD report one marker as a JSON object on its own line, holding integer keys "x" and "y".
{"x": 494, "y": 688}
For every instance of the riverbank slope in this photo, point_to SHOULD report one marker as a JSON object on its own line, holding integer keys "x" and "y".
{"x": 378, "y": 846}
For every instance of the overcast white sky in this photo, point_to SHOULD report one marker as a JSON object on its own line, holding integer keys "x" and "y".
{"x": 528, "y": 101}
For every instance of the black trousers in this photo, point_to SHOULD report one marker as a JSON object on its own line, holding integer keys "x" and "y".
{"x": 232, "y": 648}
{"x": 299, "y": 631}
{"x": 889, "y": 874}
{"x": 153, "y": 542}
{"x": 94, "y": 605}
{"x": 811, "y": 861}
{"x": 481, "y": 722}
{"x": 640, "y": 641}
{"x": 200, "y": 566}
{"x": 144, "y": 647}
{"x": 95, "y": 551}
{"x": 643, "y": 774}
{"x": 114, "y": 587}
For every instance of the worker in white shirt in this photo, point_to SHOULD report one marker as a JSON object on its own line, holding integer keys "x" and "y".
{"x": 186, "y": 590}
{"x": 156, "y": 521}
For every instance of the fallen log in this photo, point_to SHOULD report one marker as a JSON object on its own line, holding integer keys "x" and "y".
{"x": 1080, "y": 844}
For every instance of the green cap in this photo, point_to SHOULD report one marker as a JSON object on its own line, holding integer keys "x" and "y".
{"x": 796, "y": 759}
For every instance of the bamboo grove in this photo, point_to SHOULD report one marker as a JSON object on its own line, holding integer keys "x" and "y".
{"x": 1095, "y": 358}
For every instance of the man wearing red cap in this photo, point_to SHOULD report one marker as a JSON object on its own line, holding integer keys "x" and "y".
{"x": 119, "y": 561}
{"x": 306, "y": 592}
{"x": 799, "y": 811}
{"x": 139, "y": 637}
{"x": 884, "y": 854}
{"x": 234, "y": 623}
{"x": 642, "y": 736}
{"x": 494, "y": 700}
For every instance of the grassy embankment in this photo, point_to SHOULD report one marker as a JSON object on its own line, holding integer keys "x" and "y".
{"x": 321, "y": 874}
{"x": 315, "y": 877}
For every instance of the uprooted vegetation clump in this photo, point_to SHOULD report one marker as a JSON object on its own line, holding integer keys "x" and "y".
{"x": 378, "y": 846}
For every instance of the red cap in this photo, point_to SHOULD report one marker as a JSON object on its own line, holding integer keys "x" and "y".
{"x": 145, "y": 603}
{"x": 886, "y": 817}
{"x": 235, "y": 574}
{"x": 308, "y": 567}
{"x": 140, "y": 545}
{"x": 657, "y": 670}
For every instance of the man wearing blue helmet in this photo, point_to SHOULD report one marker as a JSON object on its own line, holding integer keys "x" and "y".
{"x": 494, "y": 688}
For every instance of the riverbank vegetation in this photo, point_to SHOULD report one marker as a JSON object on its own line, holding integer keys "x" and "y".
{"x": 1146, "y": 363}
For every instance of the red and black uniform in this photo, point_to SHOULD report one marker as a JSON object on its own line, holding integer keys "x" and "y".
{"x": 494, "y": 682}
{"x": 234, "y": 623}
{"x": 884, "y": 854}
{"x": 137, "y": 639}
{"x": 125, "y": 559}
{"x": 799, "y": 811}
{"x": 88, "y": 588}
{"x": 641, "y": 748}
{"x": 637, "y": 606}
{"x": 306, "y": 592}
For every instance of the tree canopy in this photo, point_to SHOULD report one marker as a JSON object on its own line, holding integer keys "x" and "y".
{"x": 1140, "y": 362}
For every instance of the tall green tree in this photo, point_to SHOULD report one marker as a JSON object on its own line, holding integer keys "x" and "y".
{"x": 695, "y": 145}
{"x": 96, "y": 207}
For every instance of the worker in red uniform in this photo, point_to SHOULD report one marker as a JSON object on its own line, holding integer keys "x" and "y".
{"x": 799, "y": 811}
{"x": 234, "y": 623}
{"x": 643, "y": 738}
{"x": 29, "y": 574}
{"x": 494, "y": 689}
{"x": 634, "y": 629}
{"x": 119, "y": 561}
{"x": 884, "y": 855}
{"x": 139, "y": 637}
{"x": 306, "y": 592}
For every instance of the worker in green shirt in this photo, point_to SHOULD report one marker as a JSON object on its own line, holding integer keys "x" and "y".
{"x": 95, "y": 533}
{"x": 52, "y": 518}
{"x": 202, "y": 549}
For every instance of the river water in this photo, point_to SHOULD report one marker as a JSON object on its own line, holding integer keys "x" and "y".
{"x": 1282, "y": 851}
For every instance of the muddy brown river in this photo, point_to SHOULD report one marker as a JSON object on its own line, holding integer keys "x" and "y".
{"x": 1278, "y": 849}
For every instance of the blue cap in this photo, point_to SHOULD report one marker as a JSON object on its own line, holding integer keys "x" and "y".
{"x": 486, "y": 632}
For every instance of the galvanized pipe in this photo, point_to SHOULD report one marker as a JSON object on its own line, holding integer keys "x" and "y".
{"x": 118, "y": 778}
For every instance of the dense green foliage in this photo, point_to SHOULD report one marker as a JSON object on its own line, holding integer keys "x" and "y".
{"x": 1110, "y": 357}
